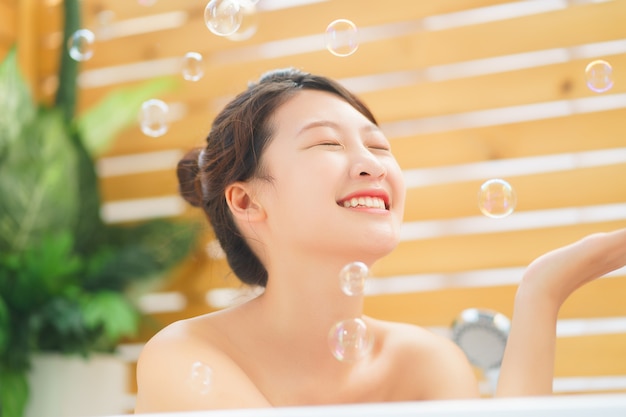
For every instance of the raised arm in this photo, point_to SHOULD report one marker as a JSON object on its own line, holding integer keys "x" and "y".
{"x": 528, "y": 363}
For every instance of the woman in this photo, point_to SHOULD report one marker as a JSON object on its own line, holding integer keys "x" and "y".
{"x": 298, "y": 181}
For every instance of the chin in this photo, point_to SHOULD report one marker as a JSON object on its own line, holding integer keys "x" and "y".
{"x": 377, "y": 247}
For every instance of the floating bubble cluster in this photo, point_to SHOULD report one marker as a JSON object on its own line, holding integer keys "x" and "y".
{"x": 153, "y": 118}
{"x": 200, "y": 378}
{"x": 223, "y": 17}
{"x": 599, "y": 76}
{"x": 193, "y": 68}
{"x": 350, "y": 340}
{"x": 342, "y": 37}
{"x": 352, "y": 278}
{"x": 496, "y": 198}
{"x": 80, "y": 45}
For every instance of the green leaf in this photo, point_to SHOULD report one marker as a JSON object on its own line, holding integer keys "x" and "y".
{"x": 99, "y": 125}
{"x": 113, "y": 313}
{"x": 5, "y": 327}
{"x": 51, "y": 265}
{"x": 45, "y": 270}
{"x": 38, "y": 182}
{"x": 14, "y": 392}
{"x": 16, "y": 102}
{"x": 140, "y": 252}
{"x": 59, "y": 326}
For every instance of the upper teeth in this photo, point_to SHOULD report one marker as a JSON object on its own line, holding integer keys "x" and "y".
{"x": 372, "y": 202}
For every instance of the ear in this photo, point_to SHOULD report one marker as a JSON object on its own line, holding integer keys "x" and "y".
{"x": 242, "y": 203}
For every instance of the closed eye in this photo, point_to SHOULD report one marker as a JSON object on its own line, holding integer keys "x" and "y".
{"x": 380, "y": 147}
{"x": 330, "y": 144}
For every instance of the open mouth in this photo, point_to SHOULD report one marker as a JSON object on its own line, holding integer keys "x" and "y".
{"x": 365, "y": 202}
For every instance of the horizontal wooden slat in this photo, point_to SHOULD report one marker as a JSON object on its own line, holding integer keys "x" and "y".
{"x": 575, "y": 133}
{"x": 476, "y": 252}
{"x": 597, "y": 23}
{"x": 183, "y": 134}
{"x": 601, "y": 298}
{"x": 271, "y": 25}
{"x": 411, "y": 52}
{"x": 591, "y": 356}
{"x": 571, "y": 188}
{"x": 200, "y": 274}
{"x": 144, "y": 185}
{"x": 514, "y": 88}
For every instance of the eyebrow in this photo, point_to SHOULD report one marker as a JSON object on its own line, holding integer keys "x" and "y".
{"x": 328, "y": 123}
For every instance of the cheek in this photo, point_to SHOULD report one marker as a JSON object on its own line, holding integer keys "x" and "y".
{"x": 293, "y": 190}
{"x": 395, "y": 175}
{"x": 396, "y": 178}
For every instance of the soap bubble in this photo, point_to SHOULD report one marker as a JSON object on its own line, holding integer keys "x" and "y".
{"x": 350, "y": 340}
{"x": 496, "y": 198}
{"x": 223, "y": 17}
{"x": 342, "y": 37}
{"x": 352, "y": 278}
{"x": 192, "y": 66}
{"x": 153, "y": 117}
{"x": 249, "y": 21}
{"x": 599, "y": 76}
{"x": 200, "y": 378}
{"x": 80, "y": 45}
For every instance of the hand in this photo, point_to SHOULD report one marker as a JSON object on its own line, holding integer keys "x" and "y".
{"x": 558, "y": 273}
{"x": 528, "y": 363}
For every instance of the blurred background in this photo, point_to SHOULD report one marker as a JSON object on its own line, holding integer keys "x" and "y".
{"x": 531, "y": 93}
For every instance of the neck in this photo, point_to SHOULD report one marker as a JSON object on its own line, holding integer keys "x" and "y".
{"x": 305, "y": 299}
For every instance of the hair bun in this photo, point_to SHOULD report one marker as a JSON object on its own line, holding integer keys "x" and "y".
{"x": 188, "y": 179}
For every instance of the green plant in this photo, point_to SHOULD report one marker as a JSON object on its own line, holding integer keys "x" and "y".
{"x": 66, "y": 277}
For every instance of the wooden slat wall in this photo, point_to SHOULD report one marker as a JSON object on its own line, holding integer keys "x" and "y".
{"x": 502, "y": 94}
{"x": 8, "y": 29}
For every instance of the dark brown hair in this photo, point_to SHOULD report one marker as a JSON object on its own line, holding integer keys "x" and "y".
{"x": 235, "y": 144}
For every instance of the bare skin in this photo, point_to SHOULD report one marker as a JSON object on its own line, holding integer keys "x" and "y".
{"x": 252, "y": 368}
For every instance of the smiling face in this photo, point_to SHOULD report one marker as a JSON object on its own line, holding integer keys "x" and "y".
{"x": 335, "y": 187}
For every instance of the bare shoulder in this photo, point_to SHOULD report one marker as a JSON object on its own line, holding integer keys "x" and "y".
{"x": 430, "y": 366}
{"x": 185, "y": 367}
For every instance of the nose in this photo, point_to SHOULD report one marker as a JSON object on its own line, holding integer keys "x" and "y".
{"x": 366, "y": 164}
